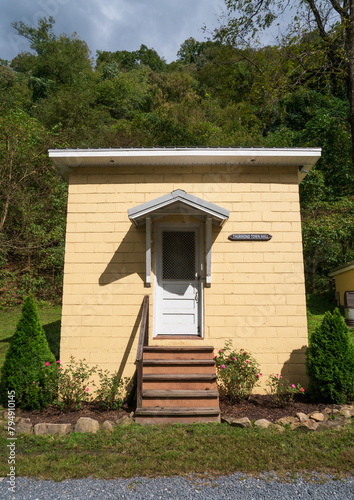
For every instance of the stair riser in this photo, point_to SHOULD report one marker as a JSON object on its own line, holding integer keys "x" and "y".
{"x": 180, "y": 369}
{"x": 178, "y": 355}
{"x": 177, "y": 420}
{"x": 182, "y": 403}
{"x": 170, "y": 386}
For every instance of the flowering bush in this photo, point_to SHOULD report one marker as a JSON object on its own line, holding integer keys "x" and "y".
{"x": 73, "y": 384}
{"x": 238, "y": 373}
{"x": 281, "y": 391}
{"x": 112, "y": 390}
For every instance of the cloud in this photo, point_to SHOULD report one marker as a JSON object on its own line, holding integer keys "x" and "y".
{"x": 113, "y": 24}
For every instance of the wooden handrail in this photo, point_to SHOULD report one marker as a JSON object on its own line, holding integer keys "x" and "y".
{"x": 143, "y": 341}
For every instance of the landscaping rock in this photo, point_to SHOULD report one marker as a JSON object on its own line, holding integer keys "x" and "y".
{"x": 23, "y": 426}
{"x": 318, "y": 417}
{"x": 227, "y": 420}
{"x": 57, "y": 429}
{"x": 263, "y": 423}
{"x": 286, "y": 420}
{"x": 346, "y": 412}
{"x": 278, "y": 428}
{"x": 302, "y": 417}
{"x": 108, "y": 425}
{"x": 124, "y": 421}
{"x": 86, "y": 424}
{"x": 241, "y": 422}
{"x": 308, "y": 425}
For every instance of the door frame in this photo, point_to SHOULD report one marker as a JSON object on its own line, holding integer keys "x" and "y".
{"x": 198, "y": 228}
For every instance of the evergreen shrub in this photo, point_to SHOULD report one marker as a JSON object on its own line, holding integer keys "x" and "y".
{"x": 330, "y": 361}
{"x": 30, "y": 367}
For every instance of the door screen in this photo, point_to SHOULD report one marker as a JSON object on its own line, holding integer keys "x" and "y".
{"x": 178, "y": 255}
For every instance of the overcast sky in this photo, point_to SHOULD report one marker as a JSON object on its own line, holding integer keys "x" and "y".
{"x": 113, "y": 24}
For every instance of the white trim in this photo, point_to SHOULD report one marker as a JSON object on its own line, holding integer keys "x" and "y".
{"x": 64, "y": 159}
{"x": 148, "y": 252}
{"x": 342, "y": 269}
{"x": 158, "y": 272}
{"x": 208, "y": 233}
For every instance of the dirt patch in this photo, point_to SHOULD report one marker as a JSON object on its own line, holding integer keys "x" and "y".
{"x": 256, "y": 407}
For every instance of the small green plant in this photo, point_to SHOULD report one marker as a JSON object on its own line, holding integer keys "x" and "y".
{"x": 281, "y": 391}
{"x": 29, "y": 368}
{"x": 330, "y": 361}
{"x": 238, "y": 373}
{"x": 74, "y": 384}
{"x": 112, "y": 390}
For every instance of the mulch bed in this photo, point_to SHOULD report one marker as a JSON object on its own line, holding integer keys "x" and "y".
{"x": 256, "y": 407}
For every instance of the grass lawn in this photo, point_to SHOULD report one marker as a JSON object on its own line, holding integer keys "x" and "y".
{"x": 181, "y": 449}
{"x": 174, "y": 449}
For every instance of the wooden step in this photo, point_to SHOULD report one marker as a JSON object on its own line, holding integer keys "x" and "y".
{"x": 195, "y": 366}
{"x": 180, "y": 394}
{"x": 180, "y": 399}
{"x": 178, "y": 352}
{"x": 174, "y": 415}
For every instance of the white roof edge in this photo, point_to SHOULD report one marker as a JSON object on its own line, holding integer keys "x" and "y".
{"x": 304, "y": 158}
{"x": 182, "y": 152}
{"x": 342, "y": 269}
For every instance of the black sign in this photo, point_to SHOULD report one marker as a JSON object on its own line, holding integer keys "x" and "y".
{"x": 250, "y": 237}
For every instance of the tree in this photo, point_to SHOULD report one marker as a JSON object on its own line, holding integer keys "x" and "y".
{"x": 330, "y": 361}
{"x": 29, "y": 365}
{"x": 333, "y": 21}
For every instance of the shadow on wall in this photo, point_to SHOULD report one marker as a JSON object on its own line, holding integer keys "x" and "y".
{"x": 52, "y": 332}
{"x": 129, "y": 258}
{"x": 130, "y": 342}
{"x": 294, "y": 368}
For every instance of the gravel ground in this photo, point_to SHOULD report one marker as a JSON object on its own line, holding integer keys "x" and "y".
{"x": 235, "y": 487}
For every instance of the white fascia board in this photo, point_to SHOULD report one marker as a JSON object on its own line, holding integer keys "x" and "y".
{"x": 342, "y": 269}
{"x": 64, "y": 159}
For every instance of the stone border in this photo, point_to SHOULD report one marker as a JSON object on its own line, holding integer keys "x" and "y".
{"x": 84, "y": 424}
{"x": 329, "y": 418}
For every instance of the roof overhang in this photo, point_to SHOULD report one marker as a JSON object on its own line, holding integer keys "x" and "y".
{"x": 175, "y": 203}
{"x": 342, "y": 269}
{"x": 303, "y": 158}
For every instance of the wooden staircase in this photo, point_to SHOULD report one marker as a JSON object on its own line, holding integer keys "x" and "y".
{"x": 178, "y": 384}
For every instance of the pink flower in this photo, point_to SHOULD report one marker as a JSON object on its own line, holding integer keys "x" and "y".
{"x": 247, "y": 361}
{"x": 302, "y": 389}
{"x": 87, "y": 389}
{"x": 261, "y": 374}
{"x": 244, "y": 354}
{"x": 220, "y": 350}
{"x": 257, "y": 376}
{"x": 215, "y": 357}
{"x": 223, "y": 366}
{"x": 47, "y": 363}
{"x": 59, "y": 368}
{"x": 58, "y": 361}
{"x": 293, "y": 386}
{"x": 33, "y": 382}
{"x": 234, "y": 359}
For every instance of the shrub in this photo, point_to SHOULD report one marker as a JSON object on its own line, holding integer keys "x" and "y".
{"x": 330, "y": 361}
{"x": 74, "y": 384}
{"x": 281, "y": 391}
{"x": 112, "y": 390}
{"x": 29, "y": 366}
{"x": 238, "y": 373}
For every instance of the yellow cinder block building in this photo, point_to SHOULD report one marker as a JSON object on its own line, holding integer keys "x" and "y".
{"x": 212, "y": 236}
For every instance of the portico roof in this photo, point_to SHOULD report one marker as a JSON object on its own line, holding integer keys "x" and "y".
{"x": 178, "y": 202}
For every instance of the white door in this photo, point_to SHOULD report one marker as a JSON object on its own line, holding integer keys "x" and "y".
{"x": 178, "y": 293}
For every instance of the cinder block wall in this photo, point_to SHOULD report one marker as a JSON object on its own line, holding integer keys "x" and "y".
{"x": 257, "y": 296}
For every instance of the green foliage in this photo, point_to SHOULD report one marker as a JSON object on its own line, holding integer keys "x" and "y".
{"x": 281, "y": 391}
{"x": 29, "y": 368}
{"x": 111, "y": 391}
{"x": 74, "y": 384}
{"x": 330, "y": 361}
{"x": 238, "y": 373}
